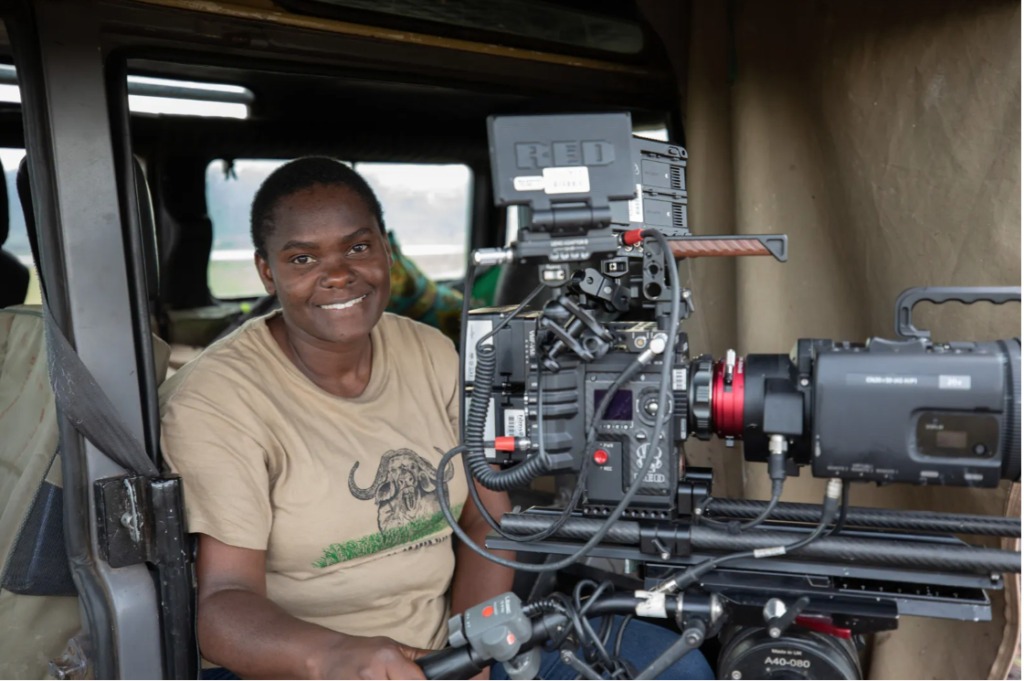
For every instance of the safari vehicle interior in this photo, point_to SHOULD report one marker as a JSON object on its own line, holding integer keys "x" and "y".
{"x": 178, "y": 116}
{"x": 133, "y": 135}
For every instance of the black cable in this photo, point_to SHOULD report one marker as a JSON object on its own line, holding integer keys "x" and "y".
{"x": 687, "y": 577}
{"x": 577, "y": 494}
{"x": 442, "y": 493}
{"x": 566, "y": 513}
{"x": 777, "y": 473}
{"x": 475, "y": 421}
{"x": 621, "y": 633}
{"x": 463, "y": 335}
{"x": 772, "y": 503}
{"x": 735, "y": 526}
{"x": 588, "y": 634}
{"x": 844, "y": 506}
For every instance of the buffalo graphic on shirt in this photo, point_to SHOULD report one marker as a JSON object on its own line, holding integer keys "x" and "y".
{"x": 404, "y": 491}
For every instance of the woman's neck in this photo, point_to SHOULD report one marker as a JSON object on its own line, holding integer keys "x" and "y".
{"x": 341, "y": 370}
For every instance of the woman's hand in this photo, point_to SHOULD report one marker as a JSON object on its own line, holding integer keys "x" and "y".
{"x": 242, "y": 630}
{"x": 369, "y": 658}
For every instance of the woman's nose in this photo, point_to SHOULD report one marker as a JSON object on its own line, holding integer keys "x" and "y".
{"x": 337, "y": 273}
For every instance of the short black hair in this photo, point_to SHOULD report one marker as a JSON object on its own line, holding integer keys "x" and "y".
{"x": 303, "y": 173}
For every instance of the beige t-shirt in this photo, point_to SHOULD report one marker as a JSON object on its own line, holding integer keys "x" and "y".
{"x": 338, "y": 491}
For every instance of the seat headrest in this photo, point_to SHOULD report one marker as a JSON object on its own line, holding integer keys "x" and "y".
{"x": 5, "y": 220}
{"x": 146, "y": 220}
{"x": 25, "y": 196}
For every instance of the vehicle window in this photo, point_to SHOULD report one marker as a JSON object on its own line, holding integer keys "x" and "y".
{"x": 426, "y": 206}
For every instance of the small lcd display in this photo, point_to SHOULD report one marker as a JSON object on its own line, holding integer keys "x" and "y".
{"x": 951, "y": 439}
{"x": 619, "y": 409}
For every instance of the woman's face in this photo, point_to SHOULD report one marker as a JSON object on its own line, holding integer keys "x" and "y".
{"x": 329, "y": 265}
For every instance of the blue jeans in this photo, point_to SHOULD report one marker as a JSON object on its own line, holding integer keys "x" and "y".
{"x": 641, "y": 644}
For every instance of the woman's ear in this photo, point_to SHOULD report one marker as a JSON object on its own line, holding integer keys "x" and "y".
{"x": 266, "y": 274}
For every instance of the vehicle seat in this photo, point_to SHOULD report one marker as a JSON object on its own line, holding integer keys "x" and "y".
{"x": 39, "y": 608}
{"x": 14, "y": 276}
{"x": 38, "y": 603}
{"x": 150, "y": 260}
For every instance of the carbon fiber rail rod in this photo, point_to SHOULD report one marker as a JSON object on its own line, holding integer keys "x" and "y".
{"x": 829, "y": 549}
{"x": 875, "y": 518}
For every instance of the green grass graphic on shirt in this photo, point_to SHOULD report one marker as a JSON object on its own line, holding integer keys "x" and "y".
{"x": 381, "y": 541}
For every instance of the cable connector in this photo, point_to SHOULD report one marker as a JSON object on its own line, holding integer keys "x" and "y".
{"x": 506, "y": 443}
{"x": 492, "y": 256}
{"x": 632, "y": 237}
{"x": 834, "y": 489}
{"x": 657, "y": 346}
{"x": 833, "y": 495}
{"x": 777, "y": 447}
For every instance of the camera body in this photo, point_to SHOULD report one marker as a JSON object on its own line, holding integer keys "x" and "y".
{"x": 555, "y": 408}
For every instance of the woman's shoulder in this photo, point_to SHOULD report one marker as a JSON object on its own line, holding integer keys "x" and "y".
{"x": 398, "y": 329}
{"x": 234, "y": 361}
{"x": 413, "y": 347}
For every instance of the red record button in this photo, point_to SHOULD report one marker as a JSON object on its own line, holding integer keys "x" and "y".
{"x": 600, "y": 457}
{"x": 488, "y": 611}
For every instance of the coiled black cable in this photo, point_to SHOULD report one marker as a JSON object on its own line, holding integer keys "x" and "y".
{"x": 476, "y": 421}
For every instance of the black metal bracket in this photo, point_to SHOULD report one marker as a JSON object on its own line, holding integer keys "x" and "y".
{"x": 140, "y": 519}
{"x": 665, "y": 540}
{"x": 693, "y": 489}
{"x": 122, "y": 519}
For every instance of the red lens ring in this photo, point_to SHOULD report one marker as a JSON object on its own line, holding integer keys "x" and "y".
{"x": 727, "y": 404}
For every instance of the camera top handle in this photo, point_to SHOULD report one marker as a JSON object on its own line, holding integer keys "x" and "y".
{"x": 940, "y": 294}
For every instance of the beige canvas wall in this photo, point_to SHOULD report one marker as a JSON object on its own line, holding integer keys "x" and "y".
{"x": 884, "y": 139}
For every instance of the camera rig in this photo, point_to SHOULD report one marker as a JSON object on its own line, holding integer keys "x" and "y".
{"x": 598, "y": 383}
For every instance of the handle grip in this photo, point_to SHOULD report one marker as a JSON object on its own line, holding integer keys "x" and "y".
{"x": 775, "y": 245}
{"x": 940, "y": 294}
{"x": 451, "y": 663}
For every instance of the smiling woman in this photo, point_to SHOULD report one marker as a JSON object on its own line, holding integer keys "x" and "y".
{"x": 322, "y": 250}
{"x": 261, "y": 424}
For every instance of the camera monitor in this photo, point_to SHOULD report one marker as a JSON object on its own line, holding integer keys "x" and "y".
{"x": 550, "y": 162}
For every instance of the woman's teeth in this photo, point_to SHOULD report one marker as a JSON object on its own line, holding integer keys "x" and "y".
{"x": 342, "y": 306}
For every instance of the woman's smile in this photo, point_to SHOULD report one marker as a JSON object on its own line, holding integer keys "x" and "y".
{"x": 344, "y": 305}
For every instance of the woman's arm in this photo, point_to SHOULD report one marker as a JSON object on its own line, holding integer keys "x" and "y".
{"x": 242, "y": 630}
{"x": 476, "y": 578}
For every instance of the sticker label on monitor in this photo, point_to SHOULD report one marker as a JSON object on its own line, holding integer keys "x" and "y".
{"x": 569, "y": 180}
